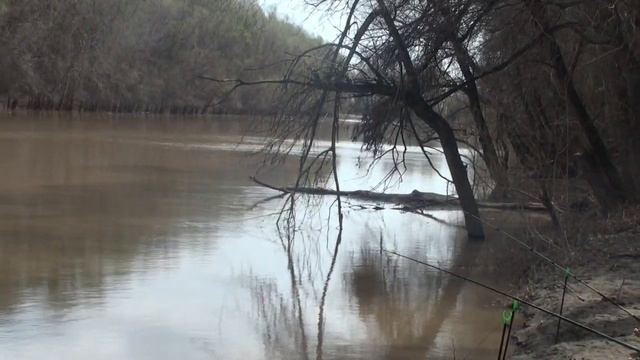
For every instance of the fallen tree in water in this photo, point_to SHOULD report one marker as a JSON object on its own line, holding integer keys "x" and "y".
{"x": 414, "y": 200}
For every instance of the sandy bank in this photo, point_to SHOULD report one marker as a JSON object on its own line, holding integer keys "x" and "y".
{"x": 610, "y": 263}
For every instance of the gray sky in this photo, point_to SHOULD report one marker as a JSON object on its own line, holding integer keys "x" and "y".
{"x": 317, "y": 22}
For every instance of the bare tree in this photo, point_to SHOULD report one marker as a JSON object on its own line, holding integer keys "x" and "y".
{"x": 566, "y": 103}
{"x": 379, "y": 55}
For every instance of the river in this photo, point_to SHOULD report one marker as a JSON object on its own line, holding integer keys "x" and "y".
{"x": 137, "y": 237}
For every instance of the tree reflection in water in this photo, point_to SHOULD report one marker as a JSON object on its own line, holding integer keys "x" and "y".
{"x": 404, "y": 310}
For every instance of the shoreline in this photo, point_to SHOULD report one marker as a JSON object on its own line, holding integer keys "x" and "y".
{"x": 607, "y": 262}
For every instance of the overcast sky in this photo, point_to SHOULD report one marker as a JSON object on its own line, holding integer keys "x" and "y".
{"x": 317, "y": 22}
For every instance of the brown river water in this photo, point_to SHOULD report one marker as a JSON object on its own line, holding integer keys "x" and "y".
{"x": 137, "y": 238}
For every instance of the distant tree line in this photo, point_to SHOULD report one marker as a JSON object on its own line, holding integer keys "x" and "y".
{"x": 140, "y": 55}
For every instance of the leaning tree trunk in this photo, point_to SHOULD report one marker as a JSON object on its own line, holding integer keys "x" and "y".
{"x": 456, "y": 167}
{"x": 597, "y": 154}
{"x": 461, "y": 182}
{"x": 413, "y": 98}
{"x": 612, "y": 190}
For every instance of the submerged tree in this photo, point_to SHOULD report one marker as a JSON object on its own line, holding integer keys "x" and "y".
{"x": 553, "y": 82}
{"x": 382, "y": 54}
{"x": 540, "y": 79}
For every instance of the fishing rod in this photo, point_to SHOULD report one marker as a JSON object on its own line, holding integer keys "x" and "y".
{"x": 513, "y": 297}
{"x": 558, "y": 266}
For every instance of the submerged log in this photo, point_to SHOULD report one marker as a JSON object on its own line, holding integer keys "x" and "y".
{"x": 414, "y": 200}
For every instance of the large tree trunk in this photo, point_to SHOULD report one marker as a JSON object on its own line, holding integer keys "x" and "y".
{"x": 606, "y": 180}
{"x": 461, "y": 182}
{"x": 456, "y": 167}
{"x": 414, "y": 100}
{"x": 597, "y": 154}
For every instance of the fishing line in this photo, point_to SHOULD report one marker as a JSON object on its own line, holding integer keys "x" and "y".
{"x": 513, "y": 297}
{"x": 558, "y": 266}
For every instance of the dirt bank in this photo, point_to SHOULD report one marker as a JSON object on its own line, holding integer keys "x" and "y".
{"x": 609, "y": 263}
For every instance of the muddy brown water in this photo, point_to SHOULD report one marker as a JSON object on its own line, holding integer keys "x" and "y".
{"x": 135, "y": 237}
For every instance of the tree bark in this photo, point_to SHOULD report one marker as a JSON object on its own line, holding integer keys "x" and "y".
{"x": 461, "y": 182}
{"x": 413, "y": 99}
{"x": 612, "y": 191}
{"x": 456, "y": 166}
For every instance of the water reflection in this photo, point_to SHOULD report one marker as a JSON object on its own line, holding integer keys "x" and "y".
{"x": 395, "y": 309}
{"x": 132, "y": 238}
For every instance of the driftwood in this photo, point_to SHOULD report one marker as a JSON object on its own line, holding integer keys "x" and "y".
{"x": 414, "y": 200}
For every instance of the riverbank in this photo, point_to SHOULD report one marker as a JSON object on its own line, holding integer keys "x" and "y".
{"x": 607, "y": 260}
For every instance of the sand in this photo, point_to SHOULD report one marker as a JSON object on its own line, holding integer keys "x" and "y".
{"x": 609, "y": 263}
